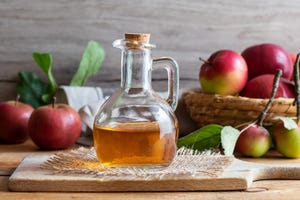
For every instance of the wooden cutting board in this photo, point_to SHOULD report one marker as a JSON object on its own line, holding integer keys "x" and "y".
{"x": 238, "y": 176}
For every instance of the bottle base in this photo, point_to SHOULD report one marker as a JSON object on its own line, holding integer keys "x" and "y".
{"x": 140, "y": 166}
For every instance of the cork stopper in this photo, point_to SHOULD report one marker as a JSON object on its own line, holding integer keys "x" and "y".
{"x": 138, "y": 37}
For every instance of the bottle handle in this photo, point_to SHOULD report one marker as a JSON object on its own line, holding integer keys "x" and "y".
{"x": 171, "y": 66}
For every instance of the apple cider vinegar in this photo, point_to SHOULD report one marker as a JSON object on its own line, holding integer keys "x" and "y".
{"x": 136, "y": 144}
{"x": 135, "y": 126}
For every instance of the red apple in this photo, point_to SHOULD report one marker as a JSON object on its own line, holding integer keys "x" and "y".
{"x": 261, "y": 87}
{"x": 267, "y": 59}
{"x": 225, "y": 72}
{"x": 293, "y": 57}
{"x": 14, "y": 117}
{"x": 255, "y": 141}
{"x": 53, "y": 127}
{"x": 287, "y": 142}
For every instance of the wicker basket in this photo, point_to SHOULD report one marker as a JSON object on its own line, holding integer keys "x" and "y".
{"x": 233, "y": 110}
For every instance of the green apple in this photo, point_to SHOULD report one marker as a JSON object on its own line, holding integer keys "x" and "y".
{"x": 287, "y": 141}
{"x": 254, "y": 141}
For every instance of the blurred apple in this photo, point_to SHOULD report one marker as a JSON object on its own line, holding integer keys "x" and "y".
{"x": 261, "y": 87}
{"x": 267, "y": 59}
{"x": 225, "y": 72}
{"x": 56, "y": 126}
{"x": 287, "y": 141}
{"x": 14, "y": 117}
{"x": 293, "y": 57}
{"x": 255, "y": 141}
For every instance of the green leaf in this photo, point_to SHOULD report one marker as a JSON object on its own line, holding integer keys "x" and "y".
{"x": 204, "y": 138}
{"x": 288, "y": 123}
{"x": 229, "y": 136}
{"x": 30, "y": 88}
{"x": 44, "y": 61}
{"x": 90, "y": 64}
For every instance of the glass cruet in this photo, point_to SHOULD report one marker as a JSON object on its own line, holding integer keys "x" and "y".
{"x": 136, "y": 127}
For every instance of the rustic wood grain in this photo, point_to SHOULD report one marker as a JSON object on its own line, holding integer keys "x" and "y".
{"x": 12, "y": 154}
{"x": 183, "y": 30}
{"x": 280, "y": 189}
{"x": 274, "y": 189}
{"x": 238, "y": 176}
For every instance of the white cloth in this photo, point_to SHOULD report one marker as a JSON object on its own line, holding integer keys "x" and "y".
{"x": 89, "y": 111}
{"x": 85, "y": 100}
{"x": 77, "y": 97}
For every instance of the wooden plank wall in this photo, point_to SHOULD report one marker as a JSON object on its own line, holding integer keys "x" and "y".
{"x": 183, "y": 30}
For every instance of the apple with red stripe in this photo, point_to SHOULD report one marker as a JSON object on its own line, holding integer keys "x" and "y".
{"x": 225, "y": 72}
{"x": 14, "y": 117}
{"x": 55, "y": 126}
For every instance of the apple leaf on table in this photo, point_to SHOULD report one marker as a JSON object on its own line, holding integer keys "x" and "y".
{"x": 211, "y": 137}
{"x": 229, "y": 136}
{"x": 204, "y": 138}
{"x": 288, "y": 122}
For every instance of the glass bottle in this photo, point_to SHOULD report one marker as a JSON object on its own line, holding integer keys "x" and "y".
{"x": 136, "y": 127}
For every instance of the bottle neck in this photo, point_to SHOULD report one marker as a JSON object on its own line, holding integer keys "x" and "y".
{"x": 136, "y": 69}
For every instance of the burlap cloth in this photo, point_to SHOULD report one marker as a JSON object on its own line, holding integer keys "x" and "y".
{"x": 187, "y": 163}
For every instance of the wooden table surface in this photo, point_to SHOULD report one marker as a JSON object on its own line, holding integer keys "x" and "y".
{"x": 12, "y": 155}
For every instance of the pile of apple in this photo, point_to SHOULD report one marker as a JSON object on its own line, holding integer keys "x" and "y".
{"x": 51, "y": 127}
{"x": 251, "y": 74}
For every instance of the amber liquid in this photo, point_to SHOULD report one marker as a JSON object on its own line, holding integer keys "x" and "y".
{"x": 134, "y": 144}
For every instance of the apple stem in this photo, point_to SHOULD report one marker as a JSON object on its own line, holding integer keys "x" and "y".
{"x": 53, "y": 101}
{"x": 274, "y": 90}
{"x": 297, "y": 91}
{"x": 248, "y": 126}
{"x": 203, "y": 60}
{"x": 17, "y": 99}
